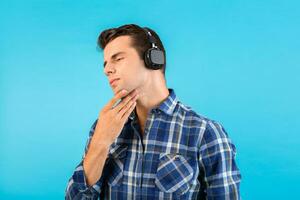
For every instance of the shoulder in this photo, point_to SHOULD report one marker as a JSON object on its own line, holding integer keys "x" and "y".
{"x": 210, "y": 129}
{"x": 190, "y": 114}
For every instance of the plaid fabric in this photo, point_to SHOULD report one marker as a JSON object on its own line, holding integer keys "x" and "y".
{"x": 181, "y": 155}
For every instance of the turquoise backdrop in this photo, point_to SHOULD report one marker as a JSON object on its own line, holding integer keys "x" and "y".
{"x": 233, "y": 61}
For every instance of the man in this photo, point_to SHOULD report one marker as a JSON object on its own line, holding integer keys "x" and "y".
{"x": 150, "y": 145}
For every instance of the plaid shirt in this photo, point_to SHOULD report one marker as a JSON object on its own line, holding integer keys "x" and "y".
{"x": 181, "y": 155}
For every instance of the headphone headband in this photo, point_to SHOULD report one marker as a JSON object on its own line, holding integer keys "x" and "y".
{"x": 151, "y": 38}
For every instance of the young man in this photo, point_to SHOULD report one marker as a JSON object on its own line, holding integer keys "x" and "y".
{"x": 150, "y": 145}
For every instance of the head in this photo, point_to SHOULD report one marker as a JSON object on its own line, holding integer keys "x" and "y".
{"x": 124, "y": 48}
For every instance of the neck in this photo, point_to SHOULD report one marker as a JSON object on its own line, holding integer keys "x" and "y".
{"x": 151, "y": 95}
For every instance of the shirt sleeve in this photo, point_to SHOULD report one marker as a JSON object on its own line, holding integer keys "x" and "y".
{"x": 219, "y": 173}
{"x": 77, "y": 187}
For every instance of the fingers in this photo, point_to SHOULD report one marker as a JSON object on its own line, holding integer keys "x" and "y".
{"x": 131, "y": 97}
{"x": 116, "y": 98}
{"x": 127, "y": 105}
{"x": 126, "y": 112}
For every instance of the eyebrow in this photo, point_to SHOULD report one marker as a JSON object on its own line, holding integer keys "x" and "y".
{"x": 114, "y": 56}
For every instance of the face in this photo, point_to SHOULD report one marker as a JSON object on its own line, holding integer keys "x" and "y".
{"x": 122, "y": 62}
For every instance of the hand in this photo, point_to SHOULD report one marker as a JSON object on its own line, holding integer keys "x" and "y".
{"x": 111, "y": 119}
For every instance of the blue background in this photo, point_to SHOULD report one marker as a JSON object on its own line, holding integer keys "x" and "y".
{"x": 236, "y": 62}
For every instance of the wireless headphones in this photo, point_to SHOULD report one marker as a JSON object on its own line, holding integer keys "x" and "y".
{"x": 154, "y": 57}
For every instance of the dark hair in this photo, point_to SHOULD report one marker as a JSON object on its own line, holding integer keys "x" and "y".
{"x": 140, "y": 40}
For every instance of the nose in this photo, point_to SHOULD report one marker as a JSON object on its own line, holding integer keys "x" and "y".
{"x": 108, "y": 69}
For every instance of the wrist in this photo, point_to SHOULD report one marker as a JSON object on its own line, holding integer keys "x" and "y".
{"x": 99, "y": 149}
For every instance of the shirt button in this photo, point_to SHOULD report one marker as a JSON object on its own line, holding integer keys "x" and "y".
{"x": 177, "y": 158}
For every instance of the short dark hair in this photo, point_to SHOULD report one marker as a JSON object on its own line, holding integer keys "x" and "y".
{"x": 140, "y": 40}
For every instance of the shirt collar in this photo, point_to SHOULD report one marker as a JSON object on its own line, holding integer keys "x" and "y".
{"x": 167, "y": 106}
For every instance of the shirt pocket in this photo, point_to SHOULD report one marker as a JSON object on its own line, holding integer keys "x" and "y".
{"x": 115, "y": 167}
{"x": 173, "y": 174}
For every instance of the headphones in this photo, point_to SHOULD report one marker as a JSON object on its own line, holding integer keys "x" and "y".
{"x": 153, "y": 57}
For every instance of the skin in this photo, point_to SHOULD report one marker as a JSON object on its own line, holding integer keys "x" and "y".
{"x": 132, "y": 73}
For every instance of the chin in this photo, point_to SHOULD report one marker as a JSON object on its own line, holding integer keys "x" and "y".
{"x": 117, "y": 89}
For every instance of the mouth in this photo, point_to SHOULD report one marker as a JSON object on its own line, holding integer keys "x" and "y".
{"x": 113, "y": 82}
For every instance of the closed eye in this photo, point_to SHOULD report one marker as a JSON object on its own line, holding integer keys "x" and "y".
{"x": 114, "y": 60}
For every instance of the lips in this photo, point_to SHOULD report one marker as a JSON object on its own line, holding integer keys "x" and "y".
{"x": 113, "y": 81}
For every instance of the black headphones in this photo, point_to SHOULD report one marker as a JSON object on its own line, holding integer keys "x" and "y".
{"x": 154, "y": 57}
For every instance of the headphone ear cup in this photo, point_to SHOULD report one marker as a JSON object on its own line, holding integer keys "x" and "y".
{"x": 157, "y": 56}
{"x": 154, "y": 58}
{"x": 147, "y": 60}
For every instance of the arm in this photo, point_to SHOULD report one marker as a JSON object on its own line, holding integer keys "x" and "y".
{"x": 87, "y": 179}
{"x": 220, "y": 174}
{"x": 79, "y": 186}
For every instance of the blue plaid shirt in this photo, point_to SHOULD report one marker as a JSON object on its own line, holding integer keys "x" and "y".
{"x": 181, "y": 155}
